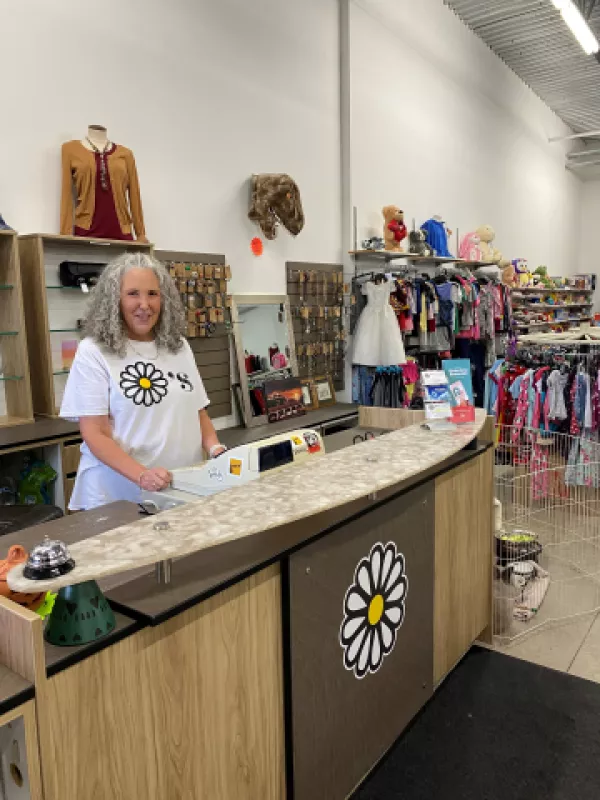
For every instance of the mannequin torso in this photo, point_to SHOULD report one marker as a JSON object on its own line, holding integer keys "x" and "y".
{"x": 102, "y": 178}
{"x": 98, "y": 136}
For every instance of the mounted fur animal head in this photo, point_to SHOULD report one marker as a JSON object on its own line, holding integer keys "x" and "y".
{"x": 276, "y": 200}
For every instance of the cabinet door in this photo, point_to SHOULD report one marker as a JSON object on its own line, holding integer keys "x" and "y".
{"x": 463, "y": 560}
{"x": 345, "y": 714}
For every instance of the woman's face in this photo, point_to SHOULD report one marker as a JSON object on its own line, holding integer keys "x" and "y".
{"x": 140, "y": 302}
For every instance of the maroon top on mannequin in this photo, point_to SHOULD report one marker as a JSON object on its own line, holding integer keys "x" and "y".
{"x": 105, "y": 223}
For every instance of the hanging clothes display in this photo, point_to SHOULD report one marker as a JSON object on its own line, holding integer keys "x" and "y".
{"x": 437, "y": 237}
{"x": 539, "y": 394}
{"x": 390, "y": 387}
{"x": 377, "y": 339}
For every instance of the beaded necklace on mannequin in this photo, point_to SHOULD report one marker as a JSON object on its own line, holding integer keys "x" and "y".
{"x": 97, "y": 141}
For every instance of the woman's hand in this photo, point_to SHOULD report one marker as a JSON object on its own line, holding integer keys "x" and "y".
{"x": 155, "y": 479}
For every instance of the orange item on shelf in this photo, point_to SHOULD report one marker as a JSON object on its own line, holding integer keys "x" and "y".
{"x": 17, "y": 555}
{"x": 256, "y": 246}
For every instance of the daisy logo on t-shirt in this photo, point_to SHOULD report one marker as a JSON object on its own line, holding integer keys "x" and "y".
{"x": 143, "y": 383}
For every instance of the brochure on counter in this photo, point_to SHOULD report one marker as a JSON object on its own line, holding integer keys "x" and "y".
{"x": 448, "y": 392}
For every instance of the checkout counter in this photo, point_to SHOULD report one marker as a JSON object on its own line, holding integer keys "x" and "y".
{"x": 310, "y": 615}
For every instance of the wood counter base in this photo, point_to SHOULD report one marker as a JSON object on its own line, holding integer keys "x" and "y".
{"x": 248, "y": 693}
{"x": 190, "y": 709}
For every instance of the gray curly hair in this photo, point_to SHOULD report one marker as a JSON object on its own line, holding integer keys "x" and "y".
{"x": 103, "y": 320}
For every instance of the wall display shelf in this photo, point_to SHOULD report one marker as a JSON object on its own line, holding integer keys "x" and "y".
{"x": 572, "y": 320}
{"x": 571, "y": 306}
{"x": 203, "y": 280}
{"x": 52, "y": 312}
{"x": 538, "y": 290}
{"x": 316, "y": 294}
{"x": 386, "y": 255}
{"x": 15, "y": 390}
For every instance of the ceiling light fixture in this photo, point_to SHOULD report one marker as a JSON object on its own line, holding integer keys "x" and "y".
{"x": 578, "y": 25}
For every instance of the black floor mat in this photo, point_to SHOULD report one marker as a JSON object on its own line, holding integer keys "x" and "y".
{"x": 498, "y": 729}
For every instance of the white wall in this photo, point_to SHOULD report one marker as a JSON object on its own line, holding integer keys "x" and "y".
{"x": 205, "y": 92}
{"x": 439, "y": 125}
{"x": 589, "y": 253}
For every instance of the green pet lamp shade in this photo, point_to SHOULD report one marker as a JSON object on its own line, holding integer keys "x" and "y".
{"x": 81, "y": 613}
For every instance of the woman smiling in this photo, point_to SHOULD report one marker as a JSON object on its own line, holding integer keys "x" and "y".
{"x": 134, "y": 387}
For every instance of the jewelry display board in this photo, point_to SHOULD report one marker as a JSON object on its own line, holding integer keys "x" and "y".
{"x": 316, "y": 293}
{"x": 15, "y": 390}
{"x": 53, "y": 311}
{"x": 203, "y": 282}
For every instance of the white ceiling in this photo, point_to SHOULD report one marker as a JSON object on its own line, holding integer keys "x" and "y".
{"x": 532, "y": 39}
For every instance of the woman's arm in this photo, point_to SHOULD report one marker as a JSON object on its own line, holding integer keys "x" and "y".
{"x": 210, "y": 440}
{"x": 97, "y": 434}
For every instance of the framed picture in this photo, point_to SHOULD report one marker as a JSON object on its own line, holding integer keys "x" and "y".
{"x": 324, "y": 391}
{"x": 284, "y": 399}
{"x": 308, "y": 394}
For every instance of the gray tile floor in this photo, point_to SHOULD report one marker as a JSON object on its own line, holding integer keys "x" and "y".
{"x": 565, "y": 633}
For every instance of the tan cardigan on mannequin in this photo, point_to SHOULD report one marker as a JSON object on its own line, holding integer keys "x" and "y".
{"x": 79, "y": 168}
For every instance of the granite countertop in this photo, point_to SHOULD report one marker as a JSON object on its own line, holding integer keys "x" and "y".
{"x": 280, "y": 498}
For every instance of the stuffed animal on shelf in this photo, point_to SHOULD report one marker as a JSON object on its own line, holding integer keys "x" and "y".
{"x": 394, "y": 229}
{"x": 508, "y": 273}
{"x": 540, "y": 278}
{"x": 470, "y": 247}
{"x": 373, "y": 243}
{"x": 418, "y": 244}
{"x": 522, "y": 274}
{"x": 488, "y": 252}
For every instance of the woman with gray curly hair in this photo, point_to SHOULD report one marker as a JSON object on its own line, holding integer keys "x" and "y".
{"x": 134, "y": 387}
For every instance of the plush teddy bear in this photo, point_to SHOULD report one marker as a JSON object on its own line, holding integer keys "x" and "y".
{"x": 394, "y": 229}
{"x": 418, "y": 244}
{"x": 488, "y": 252}
{"x": 508, "y": 273}
{"x": 470, "y": 247}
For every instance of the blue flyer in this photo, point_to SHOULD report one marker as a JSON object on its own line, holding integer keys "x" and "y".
{"x": 458, "y": 372}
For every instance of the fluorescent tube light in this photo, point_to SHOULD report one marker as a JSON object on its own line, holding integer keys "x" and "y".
{"x": 577, "y": 24}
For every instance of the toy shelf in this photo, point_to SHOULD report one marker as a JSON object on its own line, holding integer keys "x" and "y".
{"x": 15, "y": 391}
{"x": 53, "y": 311}
{"x": 518, "y": 289}
{"x": 550, "y": 322}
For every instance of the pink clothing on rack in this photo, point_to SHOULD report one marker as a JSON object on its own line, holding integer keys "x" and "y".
{"x": 410, "y": 372}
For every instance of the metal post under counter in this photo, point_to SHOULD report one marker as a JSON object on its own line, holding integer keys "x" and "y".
{"x": 233, "y": 681}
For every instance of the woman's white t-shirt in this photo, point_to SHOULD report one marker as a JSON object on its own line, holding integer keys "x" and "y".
{"x": 152, "y": 399}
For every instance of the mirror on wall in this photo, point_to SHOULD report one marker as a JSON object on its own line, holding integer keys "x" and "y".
{"x": 265, "y": 350}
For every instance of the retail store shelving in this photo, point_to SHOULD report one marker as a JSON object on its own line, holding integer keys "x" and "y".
{"x": 52, "y": 311}
{"x": 533, "y": 299}
{"x": 15, "y": 389}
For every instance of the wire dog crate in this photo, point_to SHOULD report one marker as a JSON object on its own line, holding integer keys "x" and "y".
{"x": 547, "y": 538}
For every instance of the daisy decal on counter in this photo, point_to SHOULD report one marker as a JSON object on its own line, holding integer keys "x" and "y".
{"x": 143, "y": 383}
{"x": 373, "y": 609}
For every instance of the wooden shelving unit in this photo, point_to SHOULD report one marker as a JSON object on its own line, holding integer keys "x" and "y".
{"x": 15, "y": 387}
{"x": 52, "y": 311}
